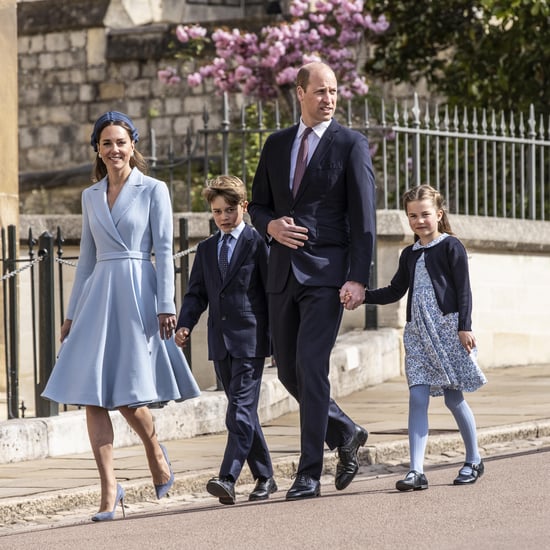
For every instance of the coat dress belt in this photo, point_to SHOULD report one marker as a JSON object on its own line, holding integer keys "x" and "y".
{"x": 124, "y": 255}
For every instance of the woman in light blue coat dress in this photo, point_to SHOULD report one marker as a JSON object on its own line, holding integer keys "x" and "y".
{"x": 117, "y": 341}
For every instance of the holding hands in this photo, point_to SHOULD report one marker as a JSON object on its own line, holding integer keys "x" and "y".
{"x": 167, "y": 324}
{"x": 352, "y": 295}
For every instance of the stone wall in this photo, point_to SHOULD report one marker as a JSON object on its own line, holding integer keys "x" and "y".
{"x": 509, "y": 263}
{"x": 78, "y": 59}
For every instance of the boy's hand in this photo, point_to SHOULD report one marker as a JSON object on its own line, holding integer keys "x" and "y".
{"x": 182, "y": 336}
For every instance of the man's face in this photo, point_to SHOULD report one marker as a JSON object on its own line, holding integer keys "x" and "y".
{"x": 318, "y": 100}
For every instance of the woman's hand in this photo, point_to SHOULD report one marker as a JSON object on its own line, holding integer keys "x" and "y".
{"x": 167, "y": 324}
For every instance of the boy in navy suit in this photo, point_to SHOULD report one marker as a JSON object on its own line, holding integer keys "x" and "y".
{"x": 228, "y": 277}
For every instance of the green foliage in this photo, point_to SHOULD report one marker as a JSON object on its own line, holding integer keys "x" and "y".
{"x": 245, "y": 145}
{"x": 484, "y": 53}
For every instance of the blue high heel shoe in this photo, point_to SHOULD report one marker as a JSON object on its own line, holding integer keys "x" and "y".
{"x": 108, "y": 516}
{"x": 163, "y": 488}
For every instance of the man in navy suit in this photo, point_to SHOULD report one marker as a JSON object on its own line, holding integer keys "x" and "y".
{"x": 228, "y": 277}
{"x": 321, "y": 231}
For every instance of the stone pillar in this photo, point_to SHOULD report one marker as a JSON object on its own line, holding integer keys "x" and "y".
{"x": 9, "y": 183}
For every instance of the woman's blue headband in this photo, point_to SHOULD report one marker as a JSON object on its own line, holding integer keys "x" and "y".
{"x": 112, "y": 116}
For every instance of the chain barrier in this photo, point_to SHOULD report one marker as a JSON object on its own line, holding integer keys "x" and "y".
{"x": 184, "y": 252}
{"x": 65, "y": 262}
{"x": 22, "y": 268}
{"x": 74, "y": 264}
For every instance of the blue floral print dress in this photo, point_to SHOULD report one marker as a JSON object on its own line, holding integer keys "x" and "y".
{"x": 434, "y": 354}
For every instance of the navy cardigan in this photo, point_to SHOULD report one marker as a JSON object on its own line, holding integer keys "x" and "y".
{"x": 447, "y": 265}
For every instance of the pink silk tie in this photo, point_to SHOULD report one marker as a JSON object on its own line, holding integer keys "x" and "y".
{"x": 301, "y": 162}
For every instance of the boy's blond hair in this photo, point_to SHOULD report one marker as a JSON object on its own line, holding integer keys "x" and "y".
{"x": 231, "y": 188}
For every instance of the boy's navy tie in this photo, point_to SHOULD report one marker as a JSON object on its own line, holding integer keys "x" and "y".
{"x": 223, "y": 260}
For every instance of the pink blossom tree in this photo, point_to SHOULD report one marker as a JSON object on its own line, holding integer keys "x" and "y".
{"x": 263, "y": 65}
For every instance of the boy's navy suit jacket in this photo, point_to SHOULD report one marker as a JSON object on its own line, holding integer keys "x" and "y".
{"x": 237, "y": 307}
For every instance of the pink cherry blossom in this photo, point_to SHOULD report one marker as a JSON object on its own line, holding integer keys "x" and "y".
{"x": 259, "y": 64}
{"x": 194, "y": 79}
{"x": 168, "y": 76}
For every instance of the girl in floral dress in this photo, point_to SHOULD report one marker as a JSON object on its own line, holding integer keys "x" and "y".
{"x": 440, "y": 348}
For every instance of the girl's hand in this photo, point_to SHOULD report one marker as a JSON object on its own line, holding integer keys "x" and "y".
{"x": 467, "y": 339}
{"x": 352, "y": 295}
{"x": 345, "y": 296}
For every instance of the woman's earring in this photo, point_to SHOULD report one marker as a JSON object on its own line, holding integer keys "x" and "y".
{"x": 98, "y": 156}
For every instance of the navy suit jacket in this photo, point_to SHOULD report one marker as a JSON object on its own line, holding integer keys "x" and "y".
{"x": 237, "y": 307}
{"x": 335, "y": 201}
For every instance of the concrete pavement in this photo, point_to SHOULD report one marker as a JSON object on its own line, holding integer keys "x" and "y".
{"x": 515, "y": 404}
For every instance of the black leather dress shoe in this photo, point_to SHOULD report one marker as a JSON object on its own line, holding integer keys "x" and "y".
{"x": 347, "y": 465}
{"x": 413, "y": 481}
{"x": 304, "y": 486}
{"x": 264, "y": 488}
{"x": 469, "y": 473}
{"x": 222, "y": 488}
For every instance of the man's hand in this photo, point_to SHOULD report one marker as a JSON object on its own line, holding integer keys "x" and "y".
{"x": 352, "y": 295}
{"x": 285, "y": 232}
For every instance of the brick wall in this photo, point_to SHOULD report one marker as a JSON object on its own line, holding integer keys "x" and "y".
{"x": 74, "y": 65}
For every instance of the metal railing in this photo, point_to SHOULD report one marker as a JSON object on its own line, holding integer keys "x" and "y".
{"x": 485, "y": 163}
{"x": 43, "y": 331}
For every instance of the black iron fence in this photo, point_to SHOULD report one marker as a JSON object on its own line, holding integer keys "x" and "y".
{"x": 485, "y": 163}
{"x": 45, "y": 292}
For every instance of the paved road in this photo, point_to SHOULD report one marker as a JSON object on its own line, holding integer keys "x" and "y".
{"x": 507, "y": 509}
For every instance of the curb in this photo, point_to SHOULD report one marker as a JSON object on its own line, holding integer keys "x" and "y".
{"x": 17, "y": 509}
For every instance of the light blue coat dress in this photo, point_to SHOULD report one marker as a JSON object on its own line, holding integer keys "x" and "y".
{"x": 114, "y": 355}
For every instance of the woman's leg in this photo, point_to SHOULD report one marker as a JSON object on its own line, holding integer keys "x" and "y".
{"x": 419, "y": 399}
{"x": 455, "y": 402}
{"x": 100, "y": 432}
{"x": 141, "y": 421}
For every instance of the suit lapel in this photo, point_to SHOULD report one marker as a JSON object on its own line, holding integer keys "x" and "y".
{"x": 240, "y": 252}
{"x": 132, "y": 188}
{"x": 98, "y": 197}
{"x": 285, "y": 161}
{"x": 211, "y": 269}
{"x": 322, "y": 149}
